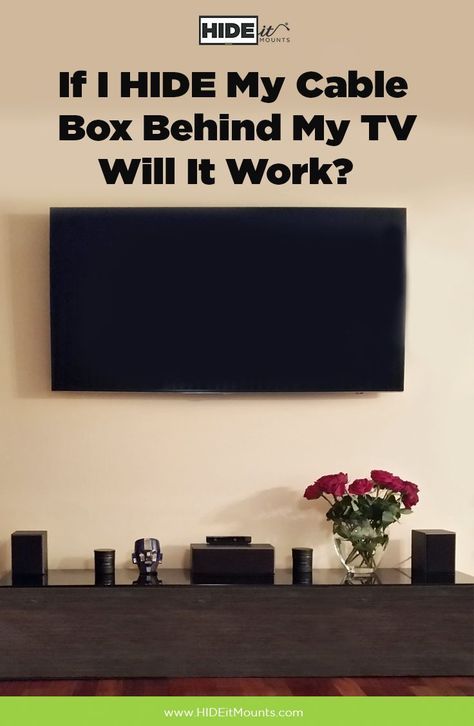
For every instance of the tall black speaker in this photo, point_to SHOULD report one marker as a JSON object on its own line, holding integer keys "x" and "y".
{"x": 432, "y": 553}
{"x": 29, "y": 553}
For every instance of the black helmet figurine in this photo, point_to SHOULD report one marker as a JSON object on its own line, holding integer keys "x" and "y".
{"x": 147, "y": 556}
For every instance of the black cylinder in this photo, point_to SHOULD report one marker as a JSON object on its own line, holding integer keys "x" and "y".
{"x": 302, "y": 578}
{"x": 104, "y": 562}
{"x": 104, "y": 580}
{"x": 302, "y": 559}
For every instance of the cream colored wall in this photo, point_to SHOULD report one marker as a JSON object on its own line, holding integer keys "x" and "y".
{"x": 100, "y": 470}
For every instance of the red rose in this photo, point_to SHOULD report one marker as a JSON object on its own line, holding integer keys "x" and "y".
{"x": 387, "y": 480}
{"x": 411, "y": 486}
{"x": 397, "y": 485}
{"x": 339, "y": 488}
{"x": 313, "y": 491}
{"x": 333, "y": 484}
{"x": 381, "y": 477}
{"x": 410, "y": 494}
{"x": 361, "y": 486}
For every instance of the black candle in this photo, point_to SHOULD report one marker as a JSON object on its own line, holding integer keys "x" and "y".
{"x": 302, "y": 559}
{"x": 104, "y": 561}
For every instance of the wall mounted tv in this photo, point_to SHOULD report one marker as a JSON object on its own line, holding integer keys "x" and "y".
{"x": 259, "y": 299}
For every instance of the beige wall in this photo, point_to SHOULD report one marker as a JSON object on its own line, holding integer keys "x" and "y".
{"x": 99, "y": 469}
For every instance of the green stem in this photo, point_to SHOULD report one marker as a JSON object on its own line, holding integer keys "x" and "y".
{"x": 367, "y": 560}
{"x": 352, "y": 555}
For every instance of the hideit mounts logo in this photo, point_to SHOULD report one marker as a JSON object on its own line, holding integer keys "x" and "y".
{"x": 239, "y": 30}
{"x": 275, "y": 33}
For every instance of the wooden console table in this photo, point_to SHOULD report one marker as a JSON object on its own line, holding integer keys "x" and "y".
{"x": 68, "y": 627}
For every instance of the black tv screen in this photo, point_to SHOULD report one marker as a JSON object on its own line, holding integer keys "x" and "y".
{"x": 227, "y": 299}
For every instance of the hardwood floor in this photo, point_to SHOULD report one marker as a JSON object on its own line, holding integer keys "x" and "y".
{"x": 460, "y": 686}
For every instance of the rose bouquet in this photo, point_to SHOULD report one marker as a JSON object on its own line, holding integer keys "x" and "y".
{"x": 361, "y": 513}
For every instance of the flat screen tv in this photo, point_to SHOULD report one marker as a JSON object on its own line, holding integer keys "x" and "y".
{"x": 258, "y": 299}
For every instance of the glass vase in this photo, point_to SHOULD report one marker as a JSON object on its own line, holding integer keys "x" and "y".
{"x": 362, "y": 551}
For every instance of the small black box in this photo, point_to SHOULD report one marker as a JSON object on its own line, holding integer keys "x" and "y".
{"x": 432, "y": 552}
{"x": 29, "y": 553}
{"x": 250, "y": 559}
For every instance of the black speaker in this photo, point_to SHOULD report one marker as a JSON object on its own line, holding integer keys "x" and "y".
{"x": 247, "y": 560}
{"x": 29, "y": 553}
{"x": 432, "y": 552}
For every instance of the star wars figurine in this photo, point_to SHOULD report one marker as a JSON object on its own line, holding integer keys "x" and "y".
{"x": 147, "y": 556}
